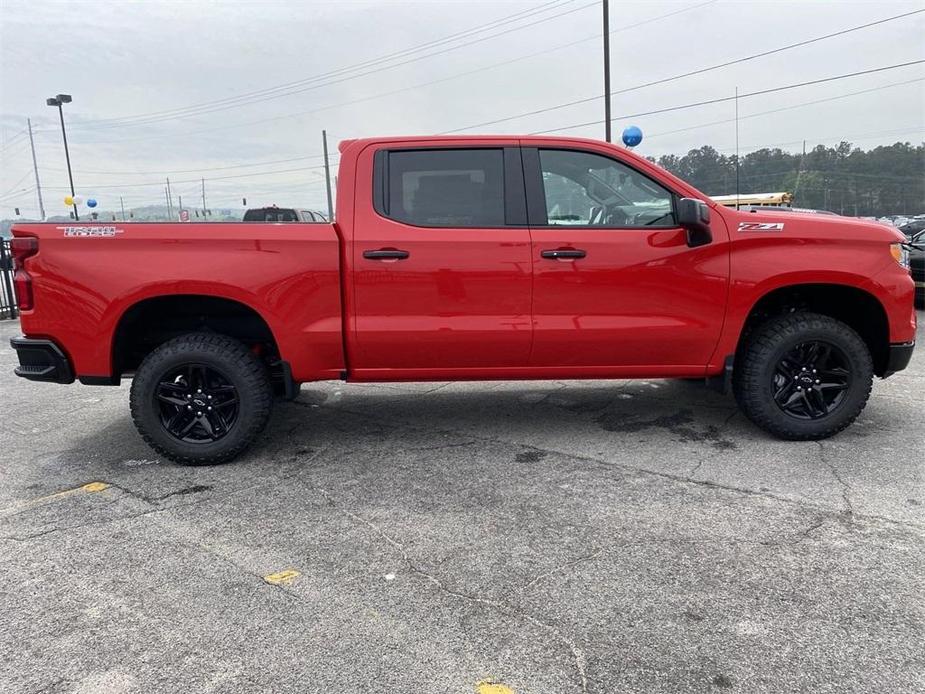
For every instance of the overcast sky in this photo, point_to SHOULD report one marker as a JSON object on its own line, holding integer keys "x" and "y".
{"x": 135, "y": 69}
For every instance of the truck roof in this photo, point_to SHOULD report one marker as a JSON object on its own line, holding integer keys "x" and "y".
{"x": 344, "y": 144}
{"x": 359, "y": 144}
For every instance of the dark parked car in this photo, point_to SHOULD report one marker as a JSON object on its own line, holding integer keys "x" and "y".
{"x": 284, "y": 214}
{"x": 912, "y": 228}
{"x": 917, "y": 264}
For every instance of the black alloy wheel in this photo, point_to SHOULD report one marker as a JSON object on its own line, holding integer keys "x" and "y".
{"x": 802, "y": 376}
{"x": 197, "y": 403}
{"x": 811, "y": 380}
{"x": 201, "y": 398}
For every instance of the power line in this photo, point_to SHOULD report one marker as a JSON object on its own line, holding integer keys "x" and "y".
{"x": 741, "y": 96}
{"x": 482, "y": 27}
{"x": 785, "y": 108}
{"x": 413, "y": 87}
{"x": 12, "y": 139}
{"x": 15, "y": 146}
{"x": 213, "y": 168}
{"x": 840, "y": 138}
{"x": 691, "y": 73}
{"x": 192, "y": 180}
{"x": 156, "y": 117}
{"x": 20, "y": 180}
{"x": 18, "y": 193}
{"x": 664, "y": 110}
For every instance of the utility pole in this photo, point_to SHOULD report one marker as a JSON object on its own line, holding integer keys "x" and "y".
{"x": 169, "y": 202}
{"x": 122, "y": 205}
{"x": 180, "y": 204}
{"x": 327, "y": 174}
{"x": 167, "y": 198}
{"x": 796, "y": 186}
{"x": 203, "y": 198}
{"x": 607, "y": 136}
{"x": 35, "y": 168}
{"x": 737, "y": 147}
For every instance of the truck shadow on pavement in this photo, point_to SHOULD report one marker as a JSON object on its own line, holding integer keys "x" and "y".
{"x": 572, "y": 512}
{"x": 641, "y": 414}
{"x": 670, "y": 411}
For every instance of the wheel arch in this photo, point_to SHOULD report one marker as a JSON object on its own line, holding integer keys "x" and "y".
{"x": 153, "y": 320}
{"x": 850, "y": 304}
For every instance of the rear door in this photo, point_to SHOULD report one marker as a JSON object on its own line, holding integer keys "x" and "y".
{"x": 442, "y": 275}
{"x": 615, "y": 283}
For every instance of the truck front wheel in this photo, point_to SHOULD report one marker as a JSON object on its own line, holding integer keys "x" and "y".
{"x": 803, "y": 376}
{"x": 201, "y": 399}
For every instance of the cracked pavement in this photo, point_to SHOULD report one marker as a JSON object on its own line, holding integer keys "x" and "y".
{"x": 625, "y": 536}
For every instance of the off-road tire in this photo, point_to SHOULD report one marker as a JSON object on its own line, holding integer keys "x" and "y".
{"x": 768, "y": 343}
{"x": 242, "y": 368}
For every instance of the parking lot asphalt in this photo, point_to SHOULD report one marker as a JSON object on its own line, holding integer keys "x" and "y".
{"x": 539, "y": 537}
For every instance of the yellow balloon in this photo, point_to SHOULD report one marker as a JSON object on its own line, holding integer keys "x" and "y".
{"x": 68, "y": 200}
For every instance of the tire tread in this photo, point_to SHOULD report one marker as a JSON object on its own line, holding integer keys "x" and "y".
{"x": 749, "y": 386}
{"x": 239, "y": 358}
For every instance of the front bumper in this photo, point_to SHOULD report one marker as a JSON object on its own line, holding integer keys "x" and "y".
{"x": 41, "y": 360}
{"x": 899, "y": 357}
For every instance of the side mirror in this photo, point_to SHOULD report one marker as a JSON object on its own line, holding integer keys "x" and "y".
{"x": 694, "y": 216}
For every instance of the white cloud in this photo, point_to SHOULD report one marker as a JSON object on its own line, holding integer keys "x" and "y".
{"x": 123, "y": 59}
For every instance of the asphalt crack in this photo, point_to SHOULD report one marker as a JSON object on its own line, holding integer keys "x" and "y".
{"x": 564, "y": 567}
{"x": 577, "y": 654}
{"x": 779, "y": 498}
{"x": 694, "y": 470}
{"x": 787, "y": 540}
{"x": 845, "y": 487}
{"x": 152, "y": 501}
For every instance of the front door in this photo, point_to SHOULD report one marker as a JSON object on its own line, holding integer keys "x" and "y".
{"x": 615, "y": 283}
{"x": 442, "y": 276}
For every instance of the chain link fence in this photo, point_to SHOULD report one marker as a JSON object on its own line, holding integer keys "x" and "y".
{"x": 7, "y": 295}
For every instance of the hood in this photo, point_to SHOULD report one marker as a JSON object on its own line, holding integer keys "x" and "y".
{"x": 816, "y": 225}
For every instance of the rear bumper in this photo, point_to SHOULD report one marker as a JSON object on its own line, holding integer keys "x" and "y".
{"x": 41, "y": 360}
{"x": 899, "y": 357}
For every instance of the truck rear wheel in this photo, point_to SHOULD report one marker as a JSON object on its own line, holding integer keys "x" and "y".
{"x": 803, "y": 376}
{"x": 201, "y": 399}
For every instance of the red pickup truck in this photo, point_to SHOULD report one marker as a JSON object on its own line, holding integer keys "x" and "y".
{"x": 469, "y": 258}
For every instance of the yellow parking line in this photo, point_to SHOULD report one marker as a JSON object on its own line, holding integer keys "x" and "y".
{"x": 492, "y": 687}
{"x": 282, "y": 578}
{"x": 90, "y": 487}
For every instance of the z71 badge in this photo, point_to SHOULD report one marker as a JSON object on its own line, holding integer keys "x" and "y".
{"x": 90, "y": 231}
{"x": 761, "y": 226}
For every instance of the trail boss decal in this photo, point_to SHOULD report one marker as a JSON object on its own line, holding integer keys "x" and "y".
{"x": 90, "y": 231}
{"x": 761, "y": 226}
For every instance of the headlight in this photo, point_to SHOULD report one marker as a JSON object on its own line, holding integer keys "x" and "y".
{"x": 900, "y": 254}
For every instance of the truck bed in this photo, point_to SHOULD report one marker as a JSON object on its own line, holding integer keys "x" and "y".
{"x": 85, "y": 276}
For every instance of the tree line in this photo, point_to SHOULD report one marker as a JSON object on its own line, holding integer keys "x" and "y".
{"x": 886, "y": 180}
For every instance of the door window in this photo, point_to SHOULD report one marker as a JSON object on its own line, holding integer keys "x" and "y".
{"x": 585, "y": 189}
{"x": 446, "y": 187}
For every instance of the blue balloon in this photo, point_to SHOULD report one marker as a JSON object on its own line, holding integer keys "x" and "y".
{"x": 91, "y": 202}
{"x": 632, "y": 136}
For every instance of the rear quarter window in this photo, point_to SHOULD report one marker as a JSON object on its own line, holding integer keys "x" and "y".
{"x": 445, "y": 187}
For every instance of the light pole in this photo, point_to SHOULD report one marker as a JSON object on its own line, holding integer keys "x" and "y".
{"x": 606, "y": 8}
{"x": 59, "y": 101}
